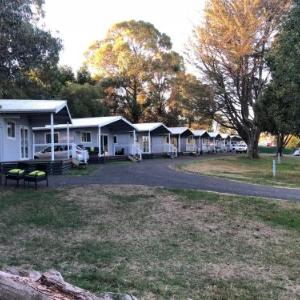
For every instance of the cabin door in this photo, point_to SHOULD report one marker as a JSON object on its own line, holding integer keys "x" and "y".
{"x": 104, "y": 144}
{"x": 1, "y": 144}
{"x": 24, "y": 140}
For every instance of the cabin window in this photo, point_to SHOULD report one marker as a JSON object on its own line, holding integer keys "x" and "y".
{"x": 11, "y": 129}
{"x": 115, "y": 139}
{"x": 48, "y": 138}
{"x": 86, "y": 137}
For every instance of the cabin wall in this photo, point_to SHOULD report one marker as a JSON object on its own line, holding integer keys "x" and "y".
{"x": 10, "y": 148}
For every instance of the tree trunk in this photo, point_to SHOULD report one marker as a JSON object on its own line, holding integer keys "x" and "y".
{"x": 280, "y": 139}
{"x": 253, "y": 144}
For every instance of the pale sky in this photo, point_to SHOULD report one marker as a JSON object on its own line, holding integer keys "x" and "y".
{"x": 80, "y": 22}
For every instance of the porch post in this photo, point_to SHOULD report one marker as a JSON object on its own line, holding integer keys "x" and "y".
{"x": 149, "y": 142}
{"x": 99, "y": 141}
{"x": 134, "y": 136}
{"x": 33, "y": 144}
{"x": 179, "y": 143}
{"x": 169, "y": 137}
{"x": 68, "y": 139}
{"x": 214, "y": 144}
{"x": 52, "y": 136}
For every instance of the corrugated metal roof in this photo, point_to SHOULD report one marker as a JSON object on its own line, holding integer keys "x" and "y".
{"x": 224, "y": 135}
{"x": 199, "y": 132}
{"x": 89, "y": 122}
{"x": 149, "y": 126}
{"x": 178, "y": 130}
{"x": 31, "y": 106}
{"x": 95, "y": 122}
{"x": 214, "y": 134}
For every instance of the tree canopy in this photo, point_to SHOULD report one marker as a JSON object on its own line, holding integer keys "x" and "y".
{"x": 229, "y": 49}
{"x": 136, "y": 64}
{"x": 280, "y": 105}
{"x": 26, "y": 49}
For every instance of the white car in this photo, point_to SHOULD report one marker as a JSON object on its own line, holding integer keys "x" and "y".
{"x": 61, "y": 152}
{"x": 241, "y": 148}
{"x": 297, "y": 152}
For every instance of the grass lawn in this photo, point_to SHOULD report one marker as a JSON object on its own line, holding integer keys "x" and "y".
{"x": 241, "y": 168}
{"x": 155, "y": 243}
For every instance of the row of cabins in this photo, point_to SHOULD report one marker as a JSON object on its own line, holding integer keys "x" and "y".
{"x": 28, "y": 126}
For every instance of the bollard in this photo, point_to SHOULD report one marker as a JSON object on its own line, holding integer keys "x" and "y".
{"x": 274, "y": 168}
{"x": 279, "y": 158}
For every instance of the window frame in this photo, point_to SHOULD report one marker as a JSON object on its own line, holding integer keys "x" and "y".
{"x": 15, "y": 129}
{"x": 81, "y": 137}
{"x": 115, "y": 139}
{"x": 49, "y": 133}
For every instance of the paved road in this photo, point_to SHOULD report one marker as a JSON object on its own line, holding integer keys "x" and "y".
{"x": 157, "y": 172}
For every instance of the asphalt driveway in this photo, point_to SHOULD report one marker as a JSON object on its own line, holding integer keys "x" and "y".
{"x": 159, "y": 172}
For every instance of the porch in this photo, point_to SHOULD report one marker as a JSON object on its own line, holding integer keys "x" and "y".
{"x": 56, "y": 167}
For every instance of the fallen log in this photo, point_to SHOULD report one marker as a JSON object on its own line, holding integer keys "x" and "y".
{"x": 20, "y": 284}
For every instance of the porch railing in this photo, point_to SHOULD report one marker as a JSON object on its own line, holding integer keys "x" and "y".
{"x": 191, "y": 148}
{"x": 63, "y": 153}
{"x": 136, "y": 150}
{"x": 170, "y": 149}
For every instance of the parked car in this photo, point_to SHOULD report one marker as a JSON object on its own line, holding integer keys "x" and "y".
{"x": 297, "y": 152}
{"x": 61, "y": 152}
{"x": 241, "y": 148}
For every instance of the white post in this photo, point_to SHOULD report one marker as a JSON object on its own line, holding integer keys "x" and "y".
{"x": 99, "y": 141}
{"x": 279, "y": 158}
{"x": 52, "y": 137}
{"x": 179, "y": 143}
{"x": 149, "y": 142}
{"x": 33, "y": 144}
{"x": 68, "y": 139}
{"x": 274, "y": 168}
{"x": 169, "y": 138}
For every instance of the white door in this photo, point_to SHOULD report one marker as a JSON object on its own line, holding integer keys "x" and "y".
{"x": 24, "y": 138}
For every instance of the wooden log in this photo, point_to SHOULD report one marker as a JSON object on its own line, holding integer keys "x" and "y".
{"x": 19, "y": 284}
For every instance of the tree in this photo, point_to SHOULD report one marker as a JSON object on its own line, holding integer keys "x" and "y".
{"x": 25, "y": 48}
{"x": 137, "y": 60}
{"x": 84, "y": 76}
{"x": 229, "y": 49}
{"x": 84, "y": 100}
{"x": 193, "y": 99}
{"x": 276, "y": 116}
{"x": 280, "y": 105}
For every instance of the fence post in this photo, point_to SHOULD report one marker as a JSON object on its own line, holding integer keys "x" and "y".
{"x": 274, "y": 168}
{"x": 278, "y": 158}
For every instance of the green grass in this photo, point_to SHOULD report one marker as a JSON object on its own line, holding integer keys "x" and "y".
{"x": 242, "y": 168}
{"x": 83, "y": 171}
{"x": 155, "y": 243}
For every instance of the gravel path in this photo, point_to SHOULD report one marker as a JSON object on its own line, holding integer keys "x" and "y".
{"x": 159, "y": 172}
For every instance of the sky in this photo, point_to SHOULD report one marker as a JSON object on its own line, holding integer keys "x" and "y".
{"x": 80, "y": 22}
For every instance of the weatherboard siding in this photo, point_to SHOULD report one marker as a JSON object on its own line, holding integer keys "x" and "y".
{"x": 11, "y": 147}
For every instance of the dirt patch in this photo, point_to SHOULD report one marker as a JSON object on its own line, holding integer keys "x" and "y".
{"x": 216, "y": 166}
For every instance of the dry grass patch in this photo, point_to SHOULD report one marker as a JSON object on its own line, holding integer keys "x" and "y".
{"x": 255, "y": 171}
{"x": 156, "y": 243}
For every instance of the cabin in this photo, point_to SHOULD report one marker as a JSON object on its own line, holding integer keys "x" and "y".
{"x": 103, "y": 137}
{"x": 203, "y": 142}
{"x": 154, "y": 139}
{"x": 216, "y": 142}
{"x": 183, "y": 139}
{"x": 17, "y": 119}
{"x": 226, "y": 147}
